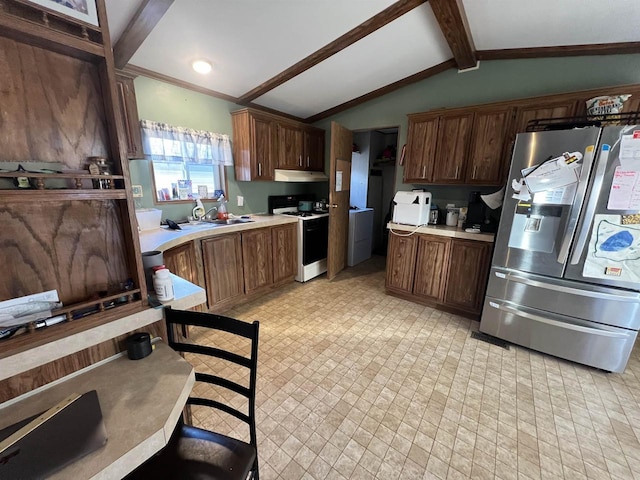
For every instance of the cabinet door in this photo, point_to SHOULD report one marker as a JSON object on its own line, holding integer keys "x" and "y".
{"x": 258, "y": 259}
{"x": 262, "y": 148}
{"x": 467, "y": 278}
{"x": 222, "y": 258}
{"x": 284, "y": 240}
{"x": 290, "y": 146}
{"x": 431, "y": 267}
{"x": 552, "y": 110}
{"x": 421, "y": 150}
{"x": 487, "y": 160}
{"x": 401, "y": 262}
{"x": 129, "y": 114}
{"x": 314, "y": 150}
{"x": 181, "y": 261}
{"x": 454, "y": 135}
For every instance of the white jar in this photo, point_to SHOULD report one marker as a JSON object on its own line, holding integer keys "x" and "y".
{"x": 163, "y": 285}
{"x": 452, "y": 218}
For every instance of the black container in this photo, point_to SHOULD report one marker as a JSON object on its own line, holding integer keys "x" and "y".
{"x": 138, "y": 346}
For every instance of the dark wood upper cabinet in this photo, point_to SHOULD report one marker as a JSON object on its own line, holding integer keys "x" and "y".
{"x": 254, "y": 145}
{"x": 129, "y": 114}
{"x": 559, "y": 109}
{"x": 290, "y": 147}
{"x": 487, "y": 155}
{"x": 421, "y": 149}
{"x": 454, "y": 134}
{"x": 314, "y": 149}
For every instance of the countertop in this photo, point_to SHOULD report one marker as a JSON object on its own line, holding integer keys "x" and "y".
{"x": 141, "y": 402}
{"x": 163, "y": 238}
{"x": 442, "y": 230}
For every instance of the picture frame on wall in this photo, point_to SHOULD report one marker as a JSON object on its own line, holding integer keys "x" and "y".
{"x": 83, "y": 10}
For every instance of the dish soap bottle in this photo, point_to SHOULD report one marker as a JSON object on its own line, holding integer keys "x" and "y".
{"x": 199, "y": 210}
{"x": 222, "y": 209}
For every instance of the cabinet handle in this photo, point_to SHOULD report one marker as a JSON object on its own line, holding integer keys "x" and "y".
{"x": 457, "y": 168}
{"x": 259, "y": 169}
{"x": 308, "y": 163}
{"x": 473, "y": 175}
{"x": 424, "y": 171}
{"x": 300, "y": 160}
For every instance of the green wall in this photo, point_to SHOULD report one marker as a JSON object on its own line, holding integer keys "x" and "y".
{"x": 493, "y": 81}
{"x": 162, "y": 102}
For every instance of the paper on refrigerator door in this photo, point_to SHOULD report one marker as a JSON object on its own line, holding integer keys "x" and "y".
{"x": 625, "y": 190}
{"x": 554, "y": 173}
{"x": 614, "y": 250}
{"x": 630, "y": 152}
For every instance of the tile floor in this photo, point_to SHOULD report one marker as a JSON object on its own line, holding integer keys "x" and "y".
{"x": 355, "y": 384}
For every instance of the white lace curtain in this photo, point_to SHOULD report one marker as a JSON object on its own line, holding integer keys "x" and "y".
{"x": 167, "y": 143}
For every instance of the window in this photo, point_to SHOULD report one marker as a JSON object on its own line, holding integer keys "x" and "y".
{"x": 187, "y": 163}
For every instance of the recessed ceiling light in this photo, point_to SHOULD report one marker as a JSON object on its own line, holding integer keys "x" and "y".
{"x": 201, "y": 66}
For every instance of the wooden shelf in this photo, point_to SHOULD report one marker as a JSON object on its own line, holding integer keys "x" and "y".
{"x": 28, "y": 23}
{"x": 30, "y": 195}
{"x": 80, "y": 316}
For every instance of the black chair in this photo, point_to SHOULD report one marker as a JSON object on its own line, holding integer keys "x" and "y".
{"x": 194, "y": 453}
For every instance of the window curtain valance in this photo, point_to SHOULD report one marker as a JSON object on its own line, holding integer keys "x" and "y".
{"x": 167, "y": 143}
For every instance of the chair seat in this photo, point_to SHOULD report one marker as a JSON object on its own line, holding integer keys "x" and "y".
{"x": 193, "y": 453}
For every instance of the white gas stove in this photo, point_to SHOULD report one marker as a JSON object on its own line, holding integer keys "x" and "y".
{"x": 313, "y": 235}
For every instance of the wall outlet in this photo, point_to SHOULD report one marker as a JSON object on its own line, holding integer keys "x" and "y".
{"x": 240, "y": 201}
{"x": 136, "y": 190}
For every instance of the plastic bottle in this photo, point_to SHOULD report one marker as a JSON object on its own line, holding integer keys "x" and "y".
{"x": 222, "y": 209}
{"x": 162, "y": 283}
{"x": 199, "y": 210}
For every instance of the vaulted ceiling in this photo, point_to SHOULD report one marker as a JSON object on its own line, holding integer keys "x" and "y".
{"x": 312, "y": 58}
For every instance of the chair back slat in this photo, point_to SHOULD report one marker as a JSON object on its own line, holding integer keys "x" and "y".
{"x": 210, "y": 320}
{"x": 229, "y": 325}
{"x": 212, "y": 352}
{"x": 207, "y": 402}
{"x": 223, "y": 382}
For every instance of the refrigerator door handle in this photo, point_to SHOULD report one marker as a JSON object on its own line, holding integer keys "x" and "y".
{"x": 569, "y": 231}
{"x": 556, "y": 323}
{"x": 618, "y": 296}
{"x": 592, "y": 205}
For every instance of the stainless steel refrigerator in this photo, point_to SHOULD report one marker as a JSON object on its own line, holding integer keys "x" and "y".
{"x": 565, "y": 274}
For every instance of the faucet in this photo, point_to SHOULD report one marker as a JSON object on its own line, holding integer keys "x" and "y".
{"x": 209, "y": 211}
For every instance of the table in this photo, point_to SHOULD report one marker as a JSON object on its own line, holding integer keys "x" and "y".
{"x": 141, "y": 402}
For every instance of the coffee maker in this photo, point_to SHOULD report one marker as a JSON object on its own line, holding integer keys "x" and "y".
{"x": 479, "y": 215}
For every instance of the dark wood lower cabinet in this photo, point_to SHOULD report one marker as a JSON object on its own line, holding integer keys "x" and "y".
{"x": 401, "y": 263}
{"x": 284, "y": 241}
{"x": 431, "y": 265}
{"x": 181, "y": 261}
{"x": 468, "y": 270}
{"x": 257, "y": 259}
{"x": 447, "y": 273}
{"x": 224, "y": 277}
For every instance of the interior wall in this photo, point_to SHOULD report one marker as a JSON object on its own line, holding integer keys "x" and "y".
{"x": 494, "y": 81}
{"x": 162, "y": 102}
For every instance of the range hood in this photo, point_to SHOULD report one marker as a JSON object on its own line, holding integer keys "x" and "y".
{"x": 299, "y": 176}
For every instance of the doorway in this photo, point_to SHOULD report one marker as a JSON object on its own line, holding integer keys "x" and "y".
{"x": 373, "y": 170}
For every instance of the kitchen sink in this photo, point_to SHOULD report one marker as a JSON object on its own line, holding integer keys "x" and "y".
{"x": 228, "y": 221}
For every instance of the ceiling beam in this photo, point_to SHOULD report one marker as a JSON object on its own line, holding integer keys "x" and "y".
{"x": 453, "y": 23}
{"x": 386, "y": 16}
{"x": 143, "y": 22}
{"x": 429, "y": 72}
{"x": 560, "y": 51}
